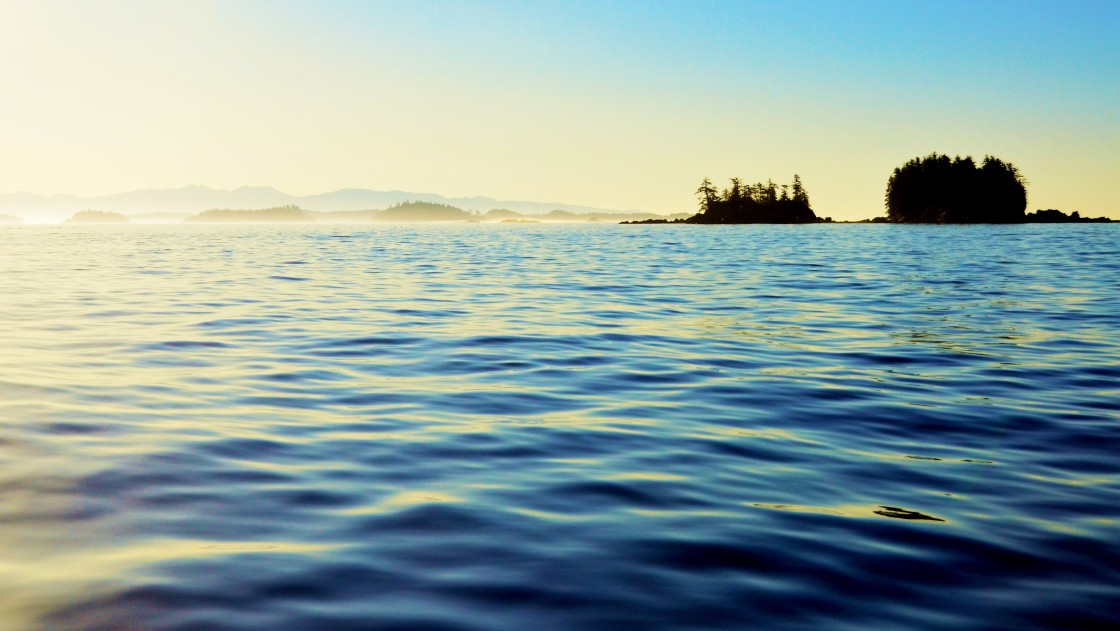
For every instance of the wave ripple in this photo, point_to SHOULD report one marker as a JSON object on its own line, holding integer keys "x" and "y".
{"x": 564, "y": 427}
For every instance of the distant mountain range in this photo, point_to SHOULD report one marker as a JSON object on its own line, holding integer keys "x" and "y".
{"x": 407, "y": 212}
{"x": 195, "y": 199}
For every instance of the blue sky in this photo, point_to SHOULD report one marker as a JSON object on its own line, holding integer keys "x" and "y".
{"x": 611, "y": 104}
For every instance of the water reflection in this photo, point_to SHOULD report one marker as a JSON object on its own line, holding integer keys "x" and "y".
{"x": 892, "y": 512}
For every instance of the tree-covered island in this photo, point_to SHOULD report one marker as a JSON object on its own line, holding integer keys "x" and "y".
{"x": 227, "y": 215}
{"x": 751, "y": 203}
{"x": 940, "y": 189}
{"x": 96, "y": 216}
{"x": 754, "y": 203}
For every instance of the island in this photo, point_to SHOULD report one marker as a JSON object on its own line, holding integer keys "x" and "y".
{"x": 226, "y": 215}
{"x": 940, "y": 189}
{"x": 1052, "y": 215}
{"x": 423, "y": 211}
{"x": 751, "y": 203}
{"x": 96, "y": 216}
{"x": 407, "y": 212}
{"x": 9, "y": 219}
{"x": 499, "y": 214}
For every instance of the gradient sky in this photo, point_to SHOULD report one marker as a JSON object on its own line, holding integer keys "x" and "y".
{"x": 623, "y": 105}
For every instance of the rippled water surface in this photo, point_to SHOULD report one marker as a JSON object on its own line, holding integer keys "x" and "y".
{"x": 559, "y": 427}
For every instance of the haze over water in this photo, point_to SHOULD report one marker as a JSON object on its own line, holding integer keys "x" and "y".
{"x": 559, "y": 427}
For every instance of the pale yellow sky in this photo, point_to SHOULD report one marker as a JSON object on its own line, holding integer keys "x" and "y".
{"x": 626, "y": 105}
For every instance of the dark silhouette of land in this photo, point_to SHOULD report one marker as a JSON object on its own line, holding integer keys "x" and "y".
{"x": 939, "y": 189}
{"x": 10, "y": 219}
{"x": 752, "y": 203}
{"x": 1051, "y": 215}
{"x": 755, "y": 203}
{"x": 932, "y": 189}
{"x": 96, "y": 216}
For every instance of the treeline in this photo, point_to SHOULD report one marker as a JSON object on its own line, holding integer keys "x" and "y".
{"x": 754, "y": 203}
{"x": 279, "y": 213}
{"x": 940, "y": 189}
{"x": 424, "y": 211}
{"x": 96, "y": 216}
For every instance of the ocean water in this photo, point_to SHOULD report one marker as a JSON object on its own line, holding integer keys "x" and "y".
{"x": 559, "y": 427}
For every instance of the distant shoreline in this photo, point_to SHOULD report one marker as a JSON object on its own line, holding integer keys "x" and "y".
{"x": 432, "y": 213}
{"x": 513, "y": 225}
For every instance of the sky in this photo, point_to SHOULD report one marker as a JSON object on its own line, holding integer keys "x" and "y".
{"x": 623, "y": 105}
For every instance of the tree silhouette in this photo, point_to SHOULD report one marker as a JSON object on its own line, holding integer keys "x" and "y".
{"x": 754, "y": 203}
{"x": 937, "y": 189}
{"x": 707, "y": 194}
{"x": 799, "y": 194}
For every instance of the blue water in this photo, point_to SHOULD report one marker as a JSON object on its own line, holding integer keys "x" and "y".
{"x": 559, "y": 427}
